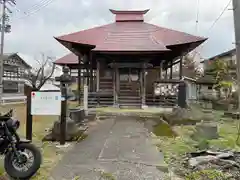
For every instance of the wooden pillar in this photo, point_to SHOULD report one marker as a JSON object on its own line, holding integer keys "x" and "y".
{"x": 182, "y": 92}
{"x": 98, "y": 75}
{"x": 166, "y": 71}
{"x": 171, "y": 70}
{"x": 29, "y": 115}
{"x": 79, "y": 80}
{"x": 114, "y": 84}
{"x": 141, "y": 83}
{"x": 87, "y": 71}
{"x": 143, "y": 86}
{"x": 180, "y": 68}
{"x": 117, "y": 84}
{"x": 160, "y": 70}
{"x": 91, "y": 73}
{"x": 88, "y": 76}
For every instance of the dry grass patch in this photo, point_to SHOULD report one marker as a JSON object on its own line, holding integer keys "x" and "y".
{"x": 51, "y": 154}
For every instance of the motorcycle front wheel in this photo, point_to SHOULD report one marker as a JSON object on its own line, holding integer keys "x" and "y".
{"x": 28, "y": 165}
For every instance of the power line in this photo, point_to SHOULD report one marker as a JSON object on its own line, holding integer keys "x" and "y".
{"x": 219, "y": 17}
{"x": 31, "y": 7}
{"x": 35, "y": 9}
{"x": 215, "y": 22}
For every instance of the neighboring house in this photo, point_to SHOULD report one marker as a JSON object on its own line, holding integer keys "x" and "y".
{"x": 228, "y": 56}
{"x": 206, "y": 89}
{"x": 14, "y": 68}
{"x": 207, "y": 81}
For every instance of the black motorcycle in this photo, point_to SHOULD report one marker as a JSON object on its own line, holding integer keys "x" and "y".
{"x": 22, "y": 159}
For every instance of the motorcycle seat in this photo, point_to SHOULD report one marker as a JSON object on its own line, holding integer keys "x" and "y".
{"x": 4, "y": 118}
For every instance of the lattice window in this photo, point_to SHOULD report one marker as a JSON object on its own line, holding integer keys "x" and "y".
{"x": 11, "y": 71}
{"x": 166, "y": 89}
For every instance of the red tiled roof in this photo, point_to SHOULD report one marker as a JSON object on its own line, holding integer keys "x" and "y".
{"x": 68, "y": 59}
{"x": 127, "y": 34}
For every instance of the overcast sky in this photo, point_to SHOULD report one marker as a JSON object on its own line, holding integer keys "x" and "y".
{"x": 34, "y": 26}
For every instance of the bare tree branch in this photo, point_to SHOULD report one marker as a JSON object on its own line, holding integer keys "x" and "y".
{"x": 46, "y": 78}
{"x": 37, "y": 77}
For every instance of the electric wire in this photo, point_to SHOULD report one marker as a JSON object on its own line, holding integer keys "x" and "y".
{"x": 214, "y": 23}
{"x": 33, "y": 9}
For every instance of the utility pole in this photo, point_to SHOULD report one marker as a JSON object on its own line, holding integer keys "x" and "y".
{"x": 236, "y": 17}
{"x": 5, "y": 28}
{"x": 3, "y": 24}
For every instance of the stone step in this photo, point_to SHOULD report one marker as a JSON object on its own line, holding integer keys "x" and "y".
{"x": 129, "y": 90}
{"x": 129, "y": 97}
{"x": 125, "y": 95}
{"x": 130, "y": 106}
{"x": 107, "y": 82}
{"x": 126, "y": 101}
{"x": 106, "y": 88}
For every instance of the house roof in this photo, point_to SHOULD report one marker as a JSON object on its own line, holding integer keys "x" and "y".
{"x": 69, "y": 59}
{"x": 9, "y": 55}
{"x": 226, "y": 53}
{"x": 206, "y": 79}
{"x": 129, "y": 33}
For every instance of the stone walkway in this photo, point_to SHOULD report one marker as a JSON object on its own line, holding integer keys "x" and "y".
{"x": 119, "y": 147}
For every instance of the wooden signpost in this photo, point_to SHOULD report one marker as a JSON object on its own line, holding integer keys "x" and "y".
{"x": 49, "y": 103}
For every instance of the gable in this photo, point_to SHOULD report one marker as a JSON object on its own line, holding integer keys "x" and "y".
{"x": 15, "y": 60}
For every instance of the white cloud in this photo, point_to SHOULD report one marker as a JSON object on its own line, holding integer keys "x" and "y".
{"x": 35, "y": 33}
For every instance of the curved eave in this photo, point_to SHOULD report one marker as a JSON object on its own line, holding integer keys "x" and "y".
{"x": 73, "y": 42}
{"x": 200, "y": 41}
{"x": 64, "y": 63}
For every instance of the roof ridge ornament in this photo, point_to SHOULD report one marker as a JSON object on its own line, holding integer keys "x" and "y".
{"x": 129, "y": 15}
{"x": 129, "y": 11}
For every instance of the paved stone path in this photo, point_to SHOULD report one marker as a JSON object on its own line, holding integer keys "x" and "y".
{"x": 119, "y": 147}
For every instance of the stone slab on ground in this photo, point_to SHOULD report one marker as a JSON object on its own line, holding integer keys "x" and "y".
{"x": 119, "y": 146}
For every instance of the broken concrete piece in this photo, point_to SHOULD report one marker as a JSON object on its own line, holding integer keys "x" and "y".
{"x": 229, "y": 163}
{"x": 226, "y": 162}
{"x": 193, "y": 162}
{"x": 225, "y": 155}
{"x": 199, "y": 158}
